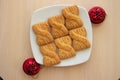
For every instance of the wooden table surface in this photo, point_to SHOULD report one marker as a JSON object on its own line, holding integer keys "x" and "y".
{"x": 104, "y": 63}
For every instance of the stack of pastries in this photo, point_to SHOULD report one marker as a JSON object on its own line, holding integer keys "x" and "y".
{"x": 61, "y": 36}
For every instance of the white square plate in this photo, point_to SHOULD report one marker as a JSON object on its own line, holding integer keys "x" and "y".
{"x": 43, "y": 14}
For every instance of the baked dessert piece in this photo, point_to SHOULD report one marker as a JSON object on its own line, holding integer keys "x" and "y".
{"x": 57, "y": 24}
{"x": 43, "y": 35}
{"x": 71, "y": 14}
{"x": 65, "y": 48}
{"x": 80, "y": 41}
{"x": 41, "y": 25}
{"x": 81, "y": 31}
{"x": 50, "y": 56}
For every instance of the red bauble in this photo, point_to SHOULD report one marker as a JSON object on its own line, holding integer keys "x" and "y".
{"x": 97, "y": 15}
{"x": 31, "y": 67}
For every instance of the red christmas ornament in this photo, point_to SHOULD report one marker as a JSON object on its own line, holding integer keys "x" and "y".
{"x": 97, "y": 15}
{"x": 31, "y": 67}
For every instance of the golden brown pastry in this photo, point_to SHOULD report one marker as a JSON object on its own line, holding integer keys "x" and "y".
{"x": 57, "y": 24}
{"x": 49, "y": 54}
{"x": 41, "y": 26}
{"x": 65, "y": 48}
{"x": 81, "y": 31}
{"x": 71, "y": 14}
{"x": 79, "y": 38}
{"x": 43, "y": 35}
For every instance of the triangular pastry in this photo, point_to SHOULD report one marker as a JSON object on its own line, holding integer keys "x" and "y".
{"x": 41, "y": 26}
{"x": 80, "y": 41}
{"x": 42, "y": 31}
{"x": 57, "y": 24}
{"x": 50, "y": 56}
{"x": 81, "y": 31}
{"x": 71, "y": 14}
{"x": 65, "y": 48}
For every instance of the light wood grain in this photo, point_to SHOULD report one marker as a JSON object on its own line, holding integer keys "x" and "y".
{"x": 104, "y": 63}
